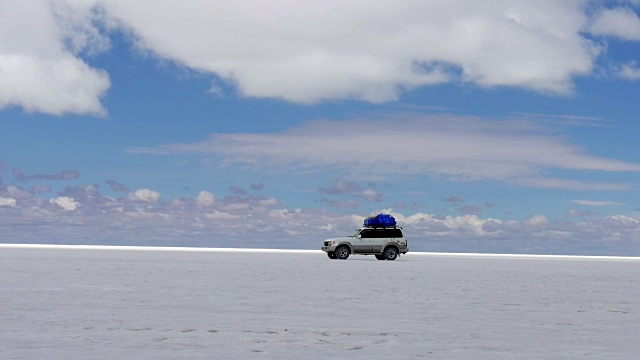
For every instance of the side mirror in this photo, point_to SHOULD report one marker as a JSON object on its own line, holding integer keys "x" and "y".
{"x": 359, "y": 236}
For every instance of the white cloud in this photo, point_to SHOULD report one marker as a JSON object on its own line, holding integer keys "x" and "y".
{"x": 144, "y": 195}
{"x": 572, "y": 184}
{"x": 579, "y": 213}
{"x": 205, "y": 199}
{"x": 270, "y": 201}
{"x": 223, "y": 216}
{"x": 7, "y": 201}
{"x": 307, "y": 52}
{"x": 65, "y": 202}
{"x": 18, "y": 193}
{"x": 454, "y": 147}
{"x": 623, "y": 221}
{"x": 371, "y": 195}
{"x": 629, "y": 71}
{"x": 537, "y": 220}
{"x": 447, "y": 225}
{"x": 75, "y": 20}
{"x": 620, "y": 22}
{"x": 37, "y": 72}
{"x": 595, "y": 203}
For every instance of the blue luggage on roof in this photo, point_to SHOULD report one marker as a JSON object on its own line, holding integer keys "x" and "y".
{"x": 380, "y": 220}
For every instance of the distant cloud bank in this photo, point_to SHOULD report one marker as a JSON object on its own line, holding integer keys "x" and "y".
{"x": 84, "y": 215}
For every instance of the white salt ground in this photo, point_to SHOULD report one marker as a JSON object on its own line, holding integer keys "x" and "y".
{"x": 92, "y": 303}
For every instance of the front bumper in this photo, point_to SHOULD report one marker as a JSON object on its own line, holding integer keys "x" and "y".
{"x": 330, "y": 248}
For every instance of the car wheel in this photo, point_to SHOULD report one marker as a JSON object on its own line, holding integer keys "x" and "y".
{"x": 380, "y": 257}
{"x": 342, "y": 252}
{"x": 390, "y": 253}
{"x": 331, "y": 255}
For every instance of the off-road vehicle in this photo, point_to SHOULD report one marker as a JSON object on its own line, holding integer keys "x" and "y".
{"x": 385, "y": 243}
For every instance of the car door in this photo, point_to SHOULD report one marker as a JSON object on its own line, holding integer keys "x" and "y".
{"x": 363, "y": 241}
{"x": 397, "y": 237}
{"x": 377, "y": 243}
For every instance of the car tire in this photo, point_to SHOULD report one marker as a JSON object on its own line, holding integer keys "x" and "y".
{"x": 342, "y": 252}
{"x": 331, "y": 255}
{"x": 380, "y": 257}
{"x": 390, "y": 253}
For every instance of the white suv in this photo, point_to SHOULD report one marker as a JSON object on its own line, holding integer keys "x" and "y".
{"x": 385, "y": 243}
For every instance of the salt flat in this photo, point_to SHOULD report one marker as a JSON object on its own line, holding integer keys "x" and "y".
{"x": 93, "y": 303}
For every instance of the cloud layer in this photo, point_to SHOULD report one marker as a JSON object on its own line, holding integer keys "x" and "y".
{"x": 306, "y": 51}
{"x": 454, "y": 147}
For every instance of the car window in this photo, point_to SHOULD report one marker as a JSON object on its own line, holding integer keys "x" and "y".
{"x": 395, "y": 233}
{"x": 366, "y": 234}
{"x": 380, "y": 233}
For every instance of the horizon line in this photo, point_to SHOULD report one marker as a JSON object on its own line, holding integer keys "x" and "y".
{"x": 266, "y": 250}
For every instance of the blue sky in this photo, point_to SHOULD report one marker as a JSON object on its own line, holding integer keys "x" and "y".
{"x": 493, "y": 127}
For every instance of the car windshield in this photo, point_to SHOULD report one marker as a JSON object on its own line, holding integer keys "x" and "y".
{"x": 356, "y": 234}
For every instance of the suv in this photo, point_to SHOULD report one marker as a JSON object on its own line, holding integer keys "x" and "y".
{"x": 384, "y": 243}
